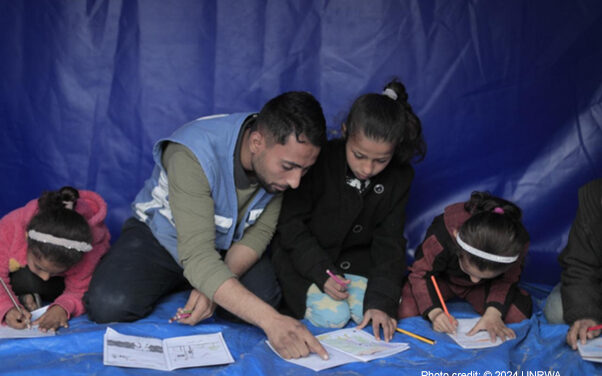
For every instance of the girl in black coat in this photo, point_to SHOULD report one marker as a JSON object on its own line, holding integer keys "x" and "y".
{"x": 339, "y": 251}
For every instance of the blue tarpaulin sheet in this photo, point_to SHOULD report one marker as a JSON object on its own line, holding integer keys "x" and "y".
{"x": 539, "y": 347}
{"x": 509, "y": 93}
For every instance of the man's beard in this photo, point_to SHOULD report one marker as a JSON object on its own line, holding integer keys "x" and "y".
{"x": 263, "y": 183}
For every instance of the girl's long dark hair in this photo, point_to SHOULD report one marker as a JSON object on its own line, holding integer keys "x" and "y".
{"x": 494, "y": 227}
{"x": 55, "y": 218}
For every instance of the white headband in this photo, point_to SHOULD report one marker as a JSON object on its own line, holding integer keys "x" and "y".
{"x": 390, "y": 93}
{"x": 485, "y": 255}
{"x": 51, "y": 239}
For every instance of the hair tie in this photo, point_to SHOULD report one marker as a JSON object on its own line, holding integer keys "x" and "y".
{"x": 51, "y": 239}
{"x": 498, "y": 210}
{"x": 388, "y": 92}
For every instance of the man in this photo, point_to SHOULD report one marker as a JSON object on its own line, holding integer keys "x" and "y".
{"x": 205, "y": 217}
{"x": 576, "y": 300}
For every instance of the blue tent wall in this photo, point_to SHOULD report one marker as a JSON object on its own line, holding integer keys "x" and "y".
{"x": 509, "y": 92}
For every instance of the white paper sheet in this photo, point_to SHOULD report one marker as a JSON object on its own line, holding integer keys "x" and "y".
{"x": 347, "y": 346}
{"x": 592, "y": 350}
{"x": 33, "y": 332}
{"x": 169, "y": 354}
{"x": 480, "y": 340}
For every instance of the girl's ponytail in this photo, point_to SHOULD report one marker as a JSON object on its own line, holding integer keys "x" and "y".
{"x": 412, "y": 144}
{"x": 485, "y": 202}
{"x": 388, "y": 117}
{"x": 64, "y": 198}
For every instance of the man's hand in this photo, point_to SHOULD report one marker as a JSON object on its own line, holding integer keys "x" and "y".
{"x": 288, "y": 337}
{"x": 291, "y": 339}
{"x": 441, "y": 322}
{"x": 578, "y": 332}
{"x": 492, "y": 322}
{"x": 379, "y": 318}
{"x": 199, "y": 306}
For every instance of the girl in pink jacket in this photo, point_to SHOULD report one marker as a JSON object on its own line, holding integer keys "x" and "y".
{"x": 49, "y": 249}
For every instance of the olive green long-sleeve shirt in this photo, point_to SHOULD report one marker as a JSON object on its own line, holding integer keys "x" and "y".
{"x": 193, "y": 212}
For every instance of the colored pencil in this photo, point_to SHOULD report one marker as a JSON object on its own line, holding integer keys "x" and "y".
{"x": 180, "y": 315}
{"x": 441, "y": 298}
{"x": 336, "y": 279}
{"x": 11, "y": 298}
{"x": 595, "y": 327}
{"x": 421, "y": 338}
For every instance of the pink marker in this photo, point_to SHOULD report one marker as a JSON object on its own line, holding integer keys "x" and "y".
{"x": 180, "y": 315}
{"x": 336, "y": 279}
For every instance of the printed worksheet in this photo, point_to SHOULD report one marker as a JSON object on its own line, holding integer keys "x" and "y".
{"x": 34, "y": 331}
{"x": 480, "y": 340}
{"x": 347, "y": 346}
{"x": 592, "y": 350}
{"x": 168, "y": 354}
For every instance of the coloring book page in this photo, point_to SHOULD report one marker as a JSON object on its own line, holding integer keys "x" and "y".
{"x": 346, "y": 346}
{"x": 168, "y": 354}
{"x": 592, "y": 350}
{"x": 480, "y": 340}
{"x": 34, "y": 331}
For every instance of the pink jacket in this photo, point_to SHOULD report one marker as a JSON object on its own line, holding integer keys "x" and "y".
{"x": 13, "y": 251}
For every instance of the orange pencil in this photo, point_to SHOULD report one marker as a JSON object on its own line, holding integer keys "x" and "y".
{"x": 441, "y": 298}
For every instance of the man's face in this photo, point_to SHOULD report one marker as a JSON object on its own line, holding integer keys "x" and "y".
{"x": 279, "y": 167}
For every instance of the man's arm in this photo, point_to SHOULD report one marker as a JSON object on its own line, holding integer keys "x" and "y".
{"x": 243, "y": 254}
{"x": 289, "y": 337}
{"x": 192, "y": 208}
{"x": 189, "y": 196}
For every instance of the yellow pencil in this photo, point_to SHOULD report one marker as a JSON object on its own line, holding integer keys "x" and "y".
{"x": 421, "y": 338}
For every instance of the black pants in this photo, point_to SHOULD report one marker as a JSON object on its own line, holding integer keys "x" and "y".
{"x": 137, "y": 271}
{"x": 23, "y": 281}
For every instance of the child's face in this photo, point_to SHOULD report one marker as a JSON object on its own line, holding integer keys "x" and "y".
{"x": 366, "y": 157}
{"x": 42, "y": 267}
{"x": 473, "y": 272}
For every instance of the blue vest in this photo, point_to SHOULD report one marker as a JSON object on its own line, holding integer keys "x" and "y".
{"x": 213, "y": 142}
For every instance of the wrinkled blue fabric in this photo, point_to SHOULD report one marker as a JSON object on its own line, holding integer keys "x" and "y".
{"x": 78, "y": 350}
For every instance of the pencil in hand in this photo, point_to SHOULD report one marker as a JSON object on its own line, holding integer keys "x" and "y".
{"x": 595, "y": 327}
{"x": 181, "y": 314}
{"x": 15, "y": 302}
{"x": 336, "y": 279}
{"x": 441, "y": 299}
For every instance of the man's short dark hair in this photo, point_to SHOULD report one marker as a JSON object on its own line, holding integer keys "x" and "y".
{"x": 293, "y": 111}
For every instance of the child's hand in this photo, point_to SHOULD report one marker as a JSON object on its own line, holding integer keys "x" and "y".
{"x": 441, "y": 322}
{"x": 29, "y": 301}
{"x": 492, "y": 322}
{"x": 379, "y": 318}
{"x": 52, "y": 319}
{"x": 18, "y": 320}
{"x": 335, "y": 290}
{"x": 578, "y": 332}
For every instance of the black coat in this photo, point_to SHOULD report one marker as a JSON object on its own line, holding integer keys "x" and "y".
{"x": 581, "y": 260}
{"x": 327, "y": 224}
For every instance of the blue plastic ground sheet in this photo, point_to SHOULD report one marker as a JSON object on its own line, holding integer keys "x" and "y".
{"x": 539, "y": 347}
{"x": 509, "y": 93}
